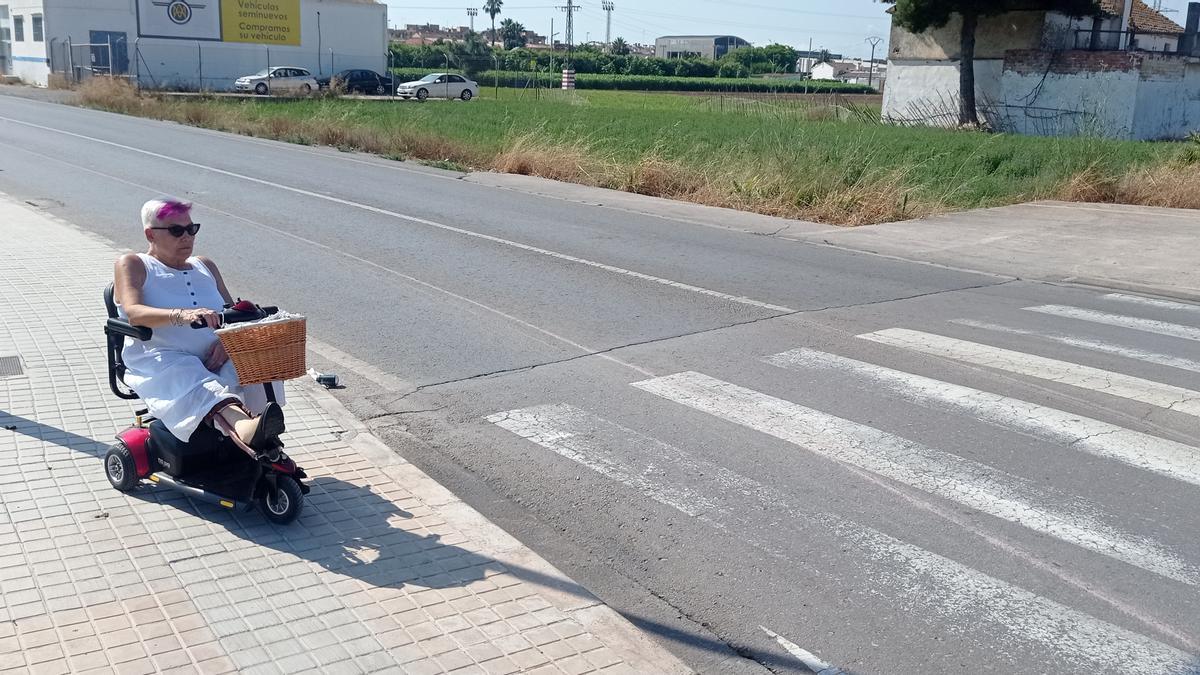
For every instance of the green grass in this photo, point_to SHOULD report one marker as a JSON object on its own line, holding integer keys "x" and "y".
{"x": 821, "y": 158}
{"x": 955, "y": 168}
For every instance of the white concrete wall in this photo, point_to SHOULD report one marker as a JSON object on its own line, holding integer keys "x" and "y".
{"x": 928, "y": 91}
{"x": 356, "y": 33}
{"x": 1069, "y": 104}
{"x": 29, "y": 58}
{"x": 1168, "y": 103}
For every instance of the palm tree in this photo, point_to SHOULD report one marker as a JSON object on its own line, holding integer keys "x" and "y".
{"x": 513, "y": 34}
{"x": 619, "y": 47}
{"x": 492, "y": 9}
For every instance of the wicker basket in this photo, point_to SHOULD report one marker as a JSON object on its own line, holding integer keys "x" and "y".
{"x": 266, "y": 352}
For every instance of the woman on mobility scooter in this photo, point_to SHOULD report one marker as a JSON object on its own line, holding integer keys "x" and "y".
{"x": 208, "y": 435}
{"x": 183, "y": 375}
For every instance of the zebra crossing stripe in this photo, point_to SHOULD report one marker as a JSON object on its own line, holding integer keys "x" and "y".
{"x": 936, "y": 472}
{"x": 1166, "y": 396}
{"x": 1133, "y": 322}
{"x": 1153, "y": 302}
{"x": 1089, "y": 344}
{"x": 1143, "y": 451}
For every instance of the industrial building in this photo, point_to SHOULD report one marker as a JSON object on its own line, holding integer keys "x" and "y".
{"x": 697, "y": 46}
{"x": 188, "y": 44}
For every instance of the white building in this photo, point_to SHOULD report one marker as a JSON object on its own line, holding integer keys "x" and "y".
{"x": 187, "y": 44}
{"x": 1128, "y": 73}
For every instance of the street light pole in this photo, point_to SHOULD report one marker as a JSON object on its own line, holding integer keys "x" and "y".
{"x": 472, "y": 12}
{"x": 607, "y": 6}
{"x": 320, "y": 68}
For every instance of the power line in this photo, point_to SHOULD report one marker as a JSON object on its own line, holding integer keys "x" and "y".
{"x": 790, "y": 10}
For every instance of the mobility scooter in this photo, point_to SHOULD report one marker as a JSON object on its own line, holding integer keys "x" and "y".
{"x": 211, "y": 466}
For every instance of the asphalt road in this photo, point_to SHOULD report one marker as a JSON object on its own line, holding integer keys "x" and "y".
{"x": 893, "y": 467}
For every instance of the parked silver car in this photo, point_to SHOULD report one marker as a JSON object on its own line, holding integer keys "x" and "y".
{"x": 439, "y": 85}
{"x": 278, "y": 80}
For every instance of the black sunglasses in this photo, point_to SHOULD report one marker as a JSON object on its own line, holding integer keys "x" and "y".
{"x": 178, "y": 230}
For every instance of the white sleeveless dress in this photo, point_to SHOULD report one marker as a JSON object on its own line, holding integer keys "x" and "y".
{"x": 168, "y": 371}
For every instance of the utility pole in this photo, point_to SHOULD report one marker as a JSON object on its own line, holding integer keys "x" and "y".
{"x": 874, "y": 41}
{"x": 472, "y": 12}
{"x": 607, "y": 5}
{"x": 570, "y": 9}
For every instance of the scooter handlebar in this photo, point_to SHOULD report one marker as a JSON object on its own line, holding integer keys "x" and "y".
{"x": 229, "y": 316}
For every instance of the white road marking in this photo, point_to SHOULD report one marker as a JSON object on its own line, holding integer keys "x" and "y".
{"x": 1133, "y": 322}
{"x": 1143, "y": 451}
{"x": 810, "y": 660}
{"x": 1166, "y": 396}
{"x": 423, "y": 286}
{"x": 1154, "y": 302}
{"x": 939, "y": 473}
{"x": 572, "y": 433}
{"x": 931, "y": 587}
{"x": 422, "y": 221}
{"x": 1089, "y": 344}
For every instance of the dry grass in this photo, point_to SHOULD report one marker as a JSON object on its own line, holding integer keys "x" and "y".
{"x": 855, "y": 189}
{"x": 58, "y": 81}
{"x": 1174, "y": 185}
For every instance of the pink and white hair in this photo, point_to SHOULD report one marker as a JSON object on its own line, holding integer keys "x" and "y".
{"x": 155, "y": 211}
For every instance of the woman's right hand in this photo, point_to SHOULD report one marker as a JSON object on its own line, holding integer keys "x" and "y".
{"x": 209, "y": 317}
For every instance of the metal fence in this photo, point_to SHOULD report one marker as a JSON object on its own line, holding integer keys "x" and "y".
{"x": 199, "y": 66}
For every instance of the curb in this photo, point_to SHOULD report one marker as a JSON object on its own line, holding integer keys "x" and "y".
{"x": 633, "y": 645}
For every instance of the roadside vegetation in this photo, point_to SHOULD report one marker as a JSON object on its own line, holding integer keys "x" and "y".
{"x": 522, "y": 80}
{"x": 820, "y": 158}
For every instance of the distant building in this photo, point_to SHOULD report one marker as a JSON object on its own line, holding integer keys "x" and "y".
{"x": 429, "y": 33}
{"x": 697, "y": 46}
{"x": 807, "y": 60}
{"x": 1133, "y": 76}
{"x": 852, "y": 71}
{"x": 187, "y": 44}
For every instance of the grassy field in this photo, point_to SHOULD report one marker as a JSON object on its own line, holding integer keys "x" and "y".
{"x": 824, "y": 159}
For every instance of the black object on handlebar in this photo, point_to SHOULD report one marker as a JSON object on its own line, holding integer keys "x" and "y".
{"x": 229, "y": 316}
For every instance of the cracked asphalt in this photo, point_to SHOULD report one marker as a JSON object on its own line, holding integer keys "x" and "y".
{"x": 483, "y": 325}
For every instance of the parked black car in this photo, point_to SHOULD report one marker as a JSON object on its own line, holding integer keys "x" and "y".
{"x": 360, "y": 81}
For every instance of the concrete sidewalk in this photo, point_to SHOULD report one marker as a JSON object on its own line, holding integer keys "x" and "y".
{"x": 384, "y": 572}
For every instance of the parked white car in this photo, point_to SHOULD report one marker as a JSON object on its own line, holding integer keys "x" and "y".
{"x": 439, "y": 85}
{"x": 278, "y": 80}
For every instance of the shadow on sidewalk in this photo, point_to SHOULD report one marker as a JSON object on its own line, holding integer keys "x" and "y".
{"x": 352, "y": 531}
{"x": 23, "y": 426}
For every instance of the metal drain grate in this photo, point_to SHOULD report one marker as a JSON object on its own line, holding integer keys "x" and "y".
{"x": 10, "y": 366}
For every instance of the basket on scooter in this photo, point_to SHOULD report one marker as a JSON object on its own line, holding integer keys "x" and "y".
{"x": 271, "y": 350}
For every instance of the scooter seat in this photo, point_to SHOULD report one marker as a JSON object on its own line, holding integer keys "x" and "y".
{"x": 177, "y": 458}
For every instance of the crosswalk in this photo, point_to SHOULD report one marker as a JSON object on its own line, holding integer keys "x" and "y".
{"x": 963, "y": 598}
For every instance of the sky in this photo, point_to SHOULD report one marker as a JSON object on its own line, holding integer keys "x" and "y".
{"x": 841, "y": 27}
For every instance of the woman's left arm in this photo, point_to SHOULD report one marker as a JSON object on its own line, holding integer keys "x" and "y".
{"x": 216, "y": 356}
{"x": 212, "y": 267}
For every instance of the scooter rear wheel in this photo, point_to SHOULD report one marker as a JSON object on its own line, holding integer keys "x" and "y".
{"x": 283, "y": 505}
{"x": 119, "y": 467}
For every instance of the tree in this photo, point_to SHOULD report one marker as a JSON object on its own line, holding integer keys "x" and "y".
{"x": 492, "y": 9}
{"x": 781, "y": 57}
{"x": 513, "y": 34}
{"x": 472, "y": 55}
{"x": 619, "y": 47}
{"x": 919, "y": 16}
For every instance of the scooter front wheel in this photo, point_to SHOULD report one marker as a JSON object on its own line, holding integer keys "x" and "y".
{"x": 119, "y": 467}
{"x": 283, "y": 504}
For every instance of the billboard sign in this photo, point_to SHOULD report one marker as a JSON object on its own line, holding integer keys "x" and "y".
{"x": 270, "y": 22}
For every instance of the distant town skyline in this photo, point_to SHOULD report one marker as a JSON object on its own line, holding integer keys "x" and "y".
{"x": 842, "y": 29}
